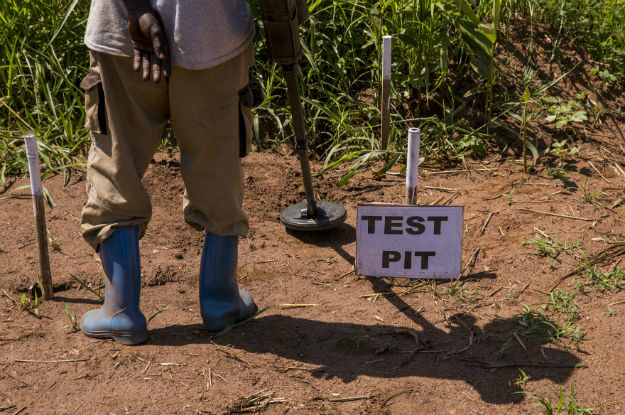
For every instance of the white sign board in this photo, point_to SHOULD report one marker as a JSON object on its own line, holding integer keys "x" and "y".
{"x": 409, "y": 241}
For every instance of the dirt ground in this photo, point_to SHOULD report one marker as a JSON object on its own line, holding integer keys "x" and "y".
{"x": 363, "y": 344}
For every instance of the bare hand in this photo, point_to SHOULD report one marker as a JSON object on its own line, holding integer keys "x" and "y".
{"x": 151, "y": 49}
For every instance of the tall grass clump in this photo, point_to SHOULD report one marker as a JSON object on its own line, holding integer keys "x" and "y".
{"x": 446, "y": 75}
{"x": 42, "y": 58}
{"x": 341, "y": 70}
{"x": 598, "y": 25}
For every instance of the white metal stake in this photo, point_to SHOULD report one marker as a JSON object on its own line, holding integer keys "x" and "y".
{"x": 386, "y": 91}
{"x": 32, "y": 153}
{"x": 412, "y": 169}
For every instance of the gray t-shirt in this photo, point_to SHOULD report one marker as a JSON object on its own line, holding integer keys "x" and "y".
{"x": 201, "y": 33}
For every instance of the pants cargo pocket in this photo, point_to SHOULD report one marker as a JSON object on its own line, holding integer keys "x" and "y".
{"x": 246, "y": 120}
{"x": 95, "y": 108}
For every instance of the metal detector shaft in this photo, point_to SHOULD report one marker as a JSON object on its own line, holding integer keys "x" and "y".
{"x": 301, "y": 144}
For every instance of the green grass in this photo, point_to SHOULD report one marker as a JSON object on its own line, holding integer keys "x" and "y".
{"x": 42, "y": 59}
{"x": 599, "y": 280}
{"x": 546, "y": 247}
{"x": 436, "y": 44}
{"x": 556, "y": 402}
{"x": 551, "y": 322}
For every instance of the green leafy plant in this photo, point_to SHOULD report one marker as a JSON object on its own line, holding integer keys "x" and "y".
{"x": 564, "y": 304}
{"x": 536, "y": 324}
{"x": 605, "y": 75}
{"x": 562, "y": 153}
{"x": 435, "y": 42}
{"x": 462, "y": 295}
{"x": 481, "y": 37}
{"x": 568, "y": 113}
{"x": 52, "y": 241}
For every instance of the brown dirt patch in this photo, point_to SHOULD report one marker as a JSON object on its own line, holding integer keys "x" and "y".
{"x": 348, "y": 345}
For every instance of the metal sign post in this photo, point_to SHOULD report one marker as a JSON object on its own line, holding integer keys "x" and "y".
{"x": 385, "y": 104}
{"x": 412, "y": 168}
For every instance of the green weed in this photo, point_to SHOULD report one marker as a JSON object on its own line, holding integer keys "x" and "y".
{"x": 502, "y": 350}
{"x": 41, "y": 62}
{"x": 602, "y": 280}
{"x": 510, "y": 196}
{"x": 546, "y": 247}
{"x": 592, "y": 196}
{"x": 536, "y": 324}
{"x": 54, "y": 244}
{"x": 563, "y": 303}
{"x": 31, "y": 306}
{"x": 73, "y": 324}
{"x": 84, "y": 285}
{"x": 553, "y": 322}
{"x": 565, "y": 114}
{"x": 523, "y": 378}
{"x": 563, "y": 403}
{"x": 463, "y": 296}
{"x": 605, "y": 75}
{"x": 157, "y": 313}
{"x": 526, "y": 98}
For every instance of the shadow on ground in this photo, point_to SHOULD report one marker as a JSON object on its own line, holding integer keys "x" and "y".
{"x": 346, "y": 351}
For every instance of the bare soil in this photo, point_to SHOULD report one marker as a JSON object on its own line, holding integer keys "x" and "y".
{"x": 364, "y": 344}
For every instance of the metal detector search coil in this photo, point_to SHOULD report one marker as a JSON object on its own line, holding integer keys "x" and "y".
{"x": 328, "y": 216}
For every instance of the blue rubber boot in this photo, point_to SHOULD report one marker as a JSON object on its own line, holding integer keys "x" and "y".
{"x": 120, "y": 317}
{"x": 222, "y": 304}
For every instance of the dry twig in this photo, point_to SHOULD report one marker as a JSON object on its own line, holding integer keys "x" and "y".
{"x": 555, "y": 214}
{"x": 471, "y": 260}
{"x": 345, "y": 274}
{"x": 442, "y": 189}
{"x": 351, "y": 398}
{"x": 50, "y": 361}
{"x": 450, "y": 198}
{"x": 233, "y": 356}
{"x": 486, "y": 222}
{"x": 593, "y": 166}
{"x": 253, "y": 403}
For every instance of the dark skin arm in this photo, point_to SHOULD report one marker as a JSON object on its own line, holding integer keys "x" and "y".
{"x": 149, "y": 42}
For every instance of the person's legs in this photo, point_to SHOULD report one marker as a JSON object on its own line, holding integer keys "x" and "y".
{"x": 126, "y": 116}
{"x": 211, "y": 126}
{"x": 206, "y": 115}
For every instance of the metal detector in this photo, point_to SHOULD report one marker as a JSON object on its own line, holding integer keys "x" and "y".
{"x": 281, "y": 19}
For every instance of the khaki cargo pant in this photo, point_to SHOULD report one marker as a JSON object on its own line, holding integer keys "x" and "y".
{"x": 211, "y": 119}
